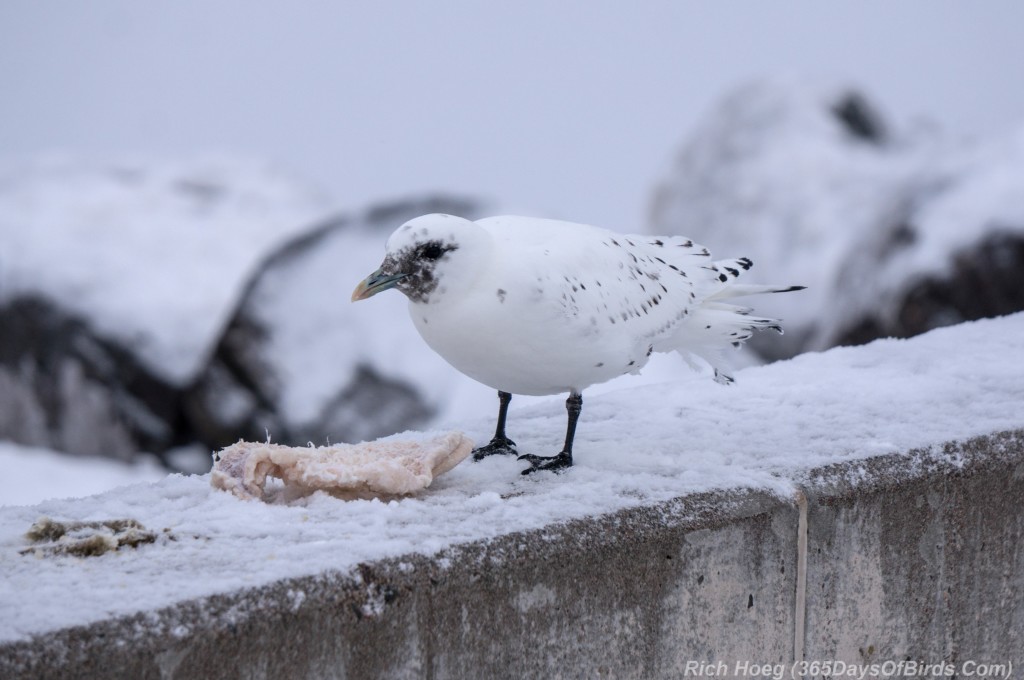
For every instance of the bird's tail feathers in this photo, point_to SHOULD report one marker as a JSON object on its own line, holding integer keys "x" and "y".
{"x": 697, "y": 358}
{"x": 727, "y": 271}
{"x": 714, "y": 328}
{"x": 743, "y": 289}
{"x": 716, "y": 325}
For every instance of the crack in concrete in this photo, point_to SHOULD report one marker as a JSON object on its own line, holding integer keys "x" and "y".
{"x": 800, "y": 615}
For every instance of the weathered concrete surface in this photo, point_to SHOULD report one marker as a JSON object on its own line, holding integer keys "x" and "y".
{"x": 623, "y": 596}
{"x": 920, "y": 556}
{"x": 908, "y": 556}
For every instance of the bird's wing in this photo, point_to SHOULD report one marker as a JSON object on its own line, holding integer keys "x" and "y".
{"x": 650, "y": 293}
{"x": 642, "y": 286}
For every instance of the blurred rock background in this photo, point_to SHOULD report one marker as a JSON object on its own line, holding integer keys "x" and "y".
{"x": 895, "y": 230}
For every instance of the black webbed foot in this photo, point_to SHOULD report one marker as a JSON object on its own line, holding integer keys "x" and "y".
{"x": 557, "y": 463}
{"x": 499, "y": 446}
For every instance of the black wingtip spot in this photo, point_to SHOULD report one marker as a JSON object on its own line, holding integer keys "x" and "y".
{"x": 723, "y": 379}
{"x": 723, "y": 278}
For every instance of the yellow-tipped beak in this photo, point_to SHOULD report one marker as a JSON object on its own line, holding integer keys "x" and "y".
{"x": 375, "y": 283}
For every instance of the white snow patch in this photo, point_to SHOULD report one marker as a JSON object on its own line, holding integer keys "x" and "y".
{"x": 33, "y": 475}
{"x": 539, "y": 595}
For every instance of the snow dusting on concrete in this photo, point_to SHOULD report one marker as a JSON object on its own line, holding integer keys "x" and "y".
{"x": 634, "y": 446}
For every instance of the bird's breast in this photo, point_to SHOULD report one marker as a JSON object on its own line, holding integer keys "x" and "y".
{"x": 515, "y": 340}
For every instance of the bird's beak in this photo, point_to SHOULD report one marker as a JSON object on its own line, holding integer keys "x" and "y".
{"x": 375, "y": 283}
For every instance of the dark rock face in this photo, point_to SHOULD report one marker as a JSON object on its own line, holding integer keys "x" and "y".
{"x": 64, "y": 386}
{"x": 859, "y": 118}
{"x": 371, "y": 406}
{"x": 986, "y": 280}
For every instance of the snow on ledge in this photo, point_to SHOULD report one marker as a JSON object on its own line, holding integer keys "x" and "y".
{"x": 634, "y": 447}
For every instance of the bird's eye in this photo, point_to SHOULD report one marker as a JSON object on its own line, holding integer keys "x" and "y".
{"x": 431, "y": 251}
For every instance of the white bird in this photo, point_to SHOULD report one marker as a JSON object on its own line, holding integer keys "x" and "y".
{"x": 536, "y": 306}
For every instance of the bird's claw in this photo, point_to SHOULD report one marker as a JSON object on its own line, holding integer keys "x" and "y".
{"x": 552, "y": 463}
{"x": 497, "y": 447}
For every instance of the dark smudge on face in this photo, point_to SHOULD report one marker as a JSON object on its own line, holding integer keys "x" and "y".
{"x": 419, "y": 264}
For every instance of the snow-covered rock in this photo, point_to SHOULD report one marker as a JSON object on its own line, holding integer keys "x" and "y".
{"x": 153, "y": 254}
{"x": 894, "y": 230}
{"x": 116, "y": 282}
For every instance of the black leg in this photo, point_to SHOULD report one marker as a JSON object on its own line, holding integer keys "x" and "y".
{"x": 500, "y": 444}
{"x": 573, "y": 405}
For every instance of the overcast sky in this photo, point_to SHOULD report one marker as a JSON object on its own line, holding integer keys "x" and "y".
{"x": 568, "y": 109}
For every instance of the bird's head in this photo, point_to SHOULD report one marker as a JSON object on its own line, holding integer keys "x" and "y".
{"x": 427, "y": 257}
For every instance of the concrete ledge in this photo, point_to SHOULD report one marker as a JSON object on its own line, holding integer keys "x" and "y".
{"x": 906, "y": 556}
{"x": 919, "y": 556}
